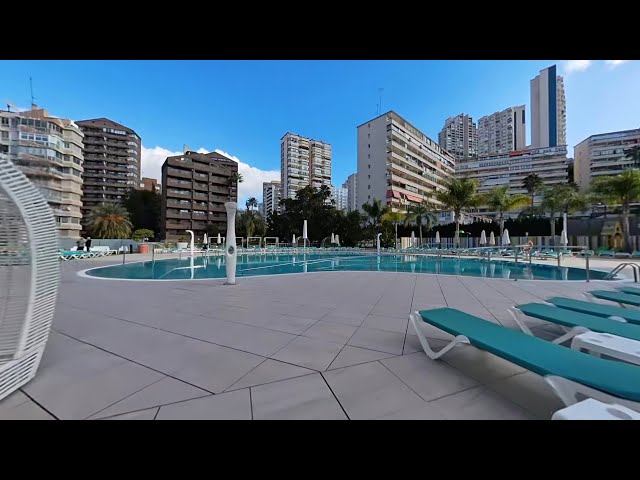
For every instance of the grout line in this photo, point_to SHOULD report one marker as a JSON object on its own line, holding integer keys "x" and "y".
{"x": 124, "y": 398}
{"x": 246, "y": 374}
{"x": 157, "y": 412}
{"x": 38, "y": 404}
{"x": 251, "y": 403}
{"x": 334, "y": 396}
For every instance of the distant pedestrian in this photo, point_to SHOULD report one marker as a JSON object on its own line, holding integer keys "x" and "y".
{"x": 80, "y": 244}
{"x": 88, "y": 244}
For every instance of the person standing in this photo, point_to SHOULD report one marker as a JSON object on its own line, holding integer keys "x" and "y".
{"x": 80, "y": 244}
{"x": 88, "y": 244}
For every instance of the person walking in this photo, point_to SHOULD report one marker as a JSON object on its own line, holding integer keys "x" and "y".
{"x": 88, "y": 244}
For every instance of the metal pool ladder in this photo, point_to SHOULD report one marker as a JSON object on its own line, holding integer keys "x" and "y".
{"x": 635, "y": 267}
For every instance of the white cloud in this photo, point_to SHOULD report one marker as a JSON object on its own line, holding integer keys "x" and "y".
{"x": 153, "y": 158}
{"x": 571, "y": 66}
{"x": 614, "y": 63}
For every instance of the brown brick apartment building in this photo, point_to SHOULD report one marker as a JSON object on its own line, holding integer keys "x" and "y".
{"x": 195, "y": 187}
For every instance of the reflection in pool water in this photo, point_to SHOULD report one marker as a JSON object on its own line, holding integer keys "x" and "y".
{"x": 200, "y": 267}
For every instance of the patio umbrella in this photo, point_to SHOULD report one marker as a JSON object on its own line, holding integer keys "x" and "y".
{"x": 483, "y": 238}
{"x": 205, "y": 240}
{"x": 219, "y": 239}
{"x": 505, "y": 238}
{"x": 563, "y": 238}
{"x": 492, "y": 239}
{"x": 304, "y": 230}
{"x": 413, "y": 238}
{"x": 333, "y": 239}
{"x": 337, "y": 240}
{"x": 294, "y": 239}
{"x": 437, "y": 237}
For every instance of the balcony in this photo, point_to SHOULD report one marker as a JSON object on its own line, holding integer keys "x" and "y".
{"x": 198, "y": 225}
{"x": 200, "y": 186}
{"x": 177, "y": 204}
{"x": 177, "y": 225}
{"x": 176, "y": 172}
{"x": 177, "y": 214}
{"x": 200, "y": 196}
{"x": 178, "y": 193}
{"x": 200, "y": 206}
{"x": 217, "y": 208}
{"x": 220, "y": 190}
{"x": 172, "y": 182}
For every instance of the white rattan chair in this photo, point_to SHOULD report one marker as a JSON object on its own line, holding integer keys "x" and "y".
{"x": 29, "y": 277}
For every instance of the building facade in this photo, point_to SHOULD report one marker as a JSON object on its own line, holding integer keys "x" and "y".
{"x": 48, "y": 150}
{"x": 398, "y": 164}
{"x": 502, "y": 132}
{"x": 111, "y": 162}
{"x": 271, "y": 195}
{"x": 603, "y": 154}
{"x": 510, "y": 169}
{"x": 459, "y": 136}
{"x": 195, "y": 189}
{"x": 340, "y": 197}
{"x": 352, "y": 192}
{"x": 150, "y": 184}
{"x": 303, "y": 161}
{"x": 548, "y": 110}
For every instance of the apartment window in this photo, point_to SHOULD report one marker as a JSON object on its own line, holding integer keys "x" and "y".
{"x": 5, "y": 121}
{"x": 368, "y": 176}
{"x": 368, "y": 135}
{"x": 368, "y": 197}
{"x": 5, "y": 135}
{"x": 368, "y": 187}
{"x": 369, "y": 166}
{"x": 368, "y": 145}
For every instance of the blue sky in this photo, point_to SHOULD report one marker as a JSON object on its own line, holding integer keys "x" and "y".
{"x": 244, "y": 107}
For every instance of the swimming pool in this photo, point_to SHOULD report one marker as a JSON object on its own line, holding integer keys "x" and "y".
{"x": 198, "y": 268}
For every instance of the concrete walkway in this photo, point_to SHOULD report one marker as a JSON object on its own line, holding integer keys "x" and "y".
{"x": 333, "y": 345}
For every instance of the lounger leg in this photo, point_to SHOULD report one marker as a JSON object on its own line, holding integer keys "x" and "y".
{"x": 416, "y": 320}
{"x": 571, "y": 392}
{"x": 518, "y": 317}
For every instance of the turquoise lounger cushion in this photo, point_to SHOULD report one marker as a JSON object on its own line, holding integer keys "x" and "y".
{"x": 537, "y": 355}
{"x": 630, "y": 290}
{"x": 632, "y": 316}
{"x": 617, "y": 297}
{"x": 568, "y": 318}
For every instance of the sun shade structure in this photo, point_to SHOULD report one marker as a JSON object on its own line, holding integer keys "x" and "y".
{"x": 29, "y": 277}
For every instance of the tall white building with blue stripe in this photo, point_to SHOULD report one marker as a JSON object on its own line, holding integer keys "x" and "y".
{"x": 548, "y": 110}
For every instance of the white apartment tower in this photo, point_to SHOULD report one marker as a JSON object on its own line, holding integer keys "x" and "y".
{"x": 398, "y": 164}
{"x": 303, "y": 161}
{"x": 271, "y": 195}
{"x": 48, "y": 150}
{"x": 603, "y": 154}
{"x": 352, "y": 197}
{"x": 340, "y": 196}
{"x": 502, "y": 132}
{"x": 459, "y": 136}
{"x": 548, "y": 110}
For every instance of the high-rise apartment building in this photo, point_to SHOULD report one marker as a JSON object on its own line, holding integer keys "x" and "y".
{"x": 398, "y": 164}
{"x": 352, "y": 193}
{"x": 48, "y": 150}
{"x": 548, "y": 110}
{"x": 340, "y": 197}
{"x": 603, "y": 154}
{"x": 303, "y": 161}
{"x": 510, "y": 169}
{"x": 195, "y": 189}
{"x": 502, "y": 132}
{"x": 111, "y": 162}
{"x": 459, "y": 136}
{"x": 271, "y": 195}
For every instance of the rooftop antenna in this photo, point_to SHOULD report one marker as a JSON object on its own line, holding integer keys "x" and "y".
{"x": 33, "y": 103}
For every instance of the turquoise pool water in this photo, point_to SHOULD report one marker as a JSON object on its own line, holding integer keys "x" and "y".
{"x": 272, "y": 264}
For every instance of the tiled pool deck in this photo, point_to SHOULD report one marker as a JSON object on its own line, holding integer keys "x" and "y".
{"x": 309, "y": 346}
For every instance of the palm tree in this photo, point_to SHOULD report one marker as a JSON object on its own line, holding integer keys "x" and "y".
{"x": 251, "y": 203}
{"x": 532, "y": 183}
{"x": 633, "y": 154}
{"x": 561, "y": 198}
{"x": 620, "y": 189}
{"x": 395, "y": 218}
{"x": 458, "y": 195}
{"x": 375, "y": 211}
{"x": 234, "y": 179}
{"x": 499, "y": 200}
{"x": 109, "y": 220}
{"x": 417, "y": 214}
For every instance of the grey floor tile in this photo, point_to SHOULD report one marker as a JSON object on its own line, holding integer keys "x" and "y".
{"x": 355, "y": 356}
{"x": 148, "y": 414}
{"x": 373, "y": 339}
{"x": 18, "y": 406}
{"x": 370, "y": 391}
{"x": 167, "y": 390}
{"x": 430, "y": 379}
{"x": 531, "y": 392}
{"x": 388, "y": 323}
{"x": 270, "y": 371}
{"x": 225, "y": 406}
{"x": 289, "y": 324}
{"x": 309, "y": 353}
{"x": 480, "y": 365}
{"x": 480, "y": 403}
{"x": 331, "y": 332}
{"x": 302, "y": 398}
{"x": 345, "y": 318}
